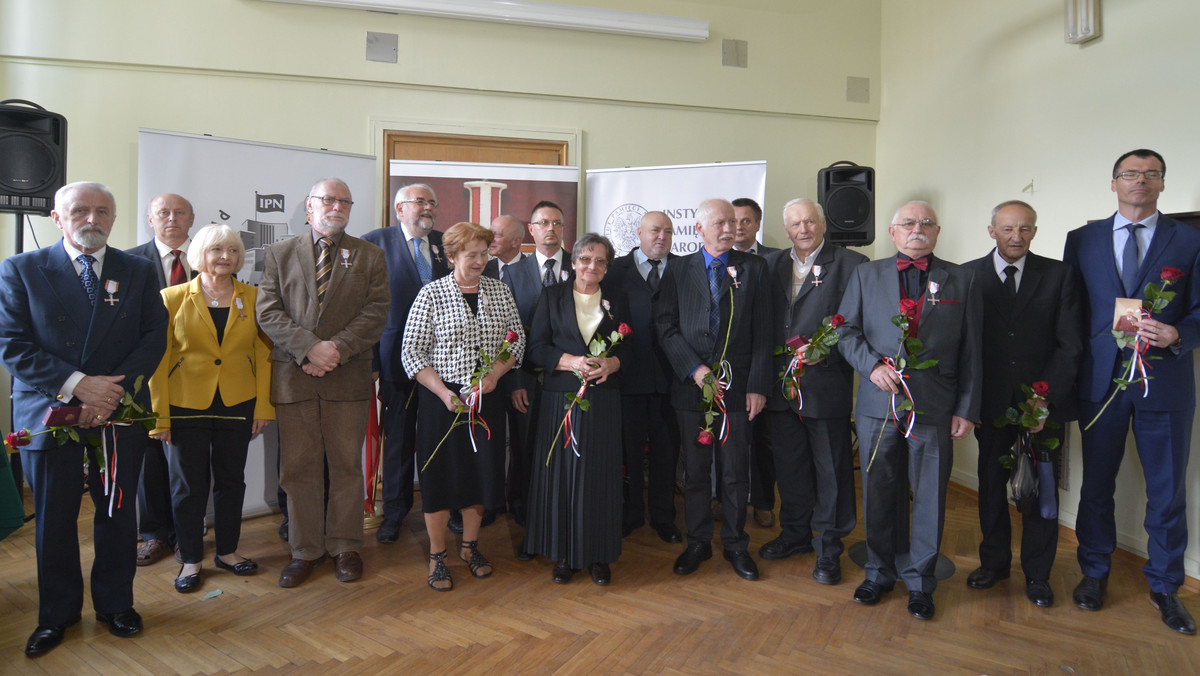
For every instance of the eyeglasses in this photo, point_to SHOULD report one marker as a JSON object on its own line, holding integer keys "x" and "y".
{"x": 330, "y": 201}
{"x": 544, "y": 223}
{"x": 1151, "y": 175}
{"x": 910, "y": 224}
{"x": 588, "y": 260}
{"x": 421, "y": 202}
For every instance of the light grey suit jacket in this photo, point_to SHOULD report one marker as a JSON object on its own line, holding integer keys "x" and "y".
{"x": 950, "y": 330}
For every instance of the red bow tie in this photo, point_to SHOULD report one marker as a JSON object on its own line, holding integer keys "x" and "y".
{"x": 903, "y": 264}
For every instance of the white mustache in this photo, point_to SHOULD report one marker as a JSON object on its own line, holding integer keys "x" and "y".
{"x": 918, "y": 237}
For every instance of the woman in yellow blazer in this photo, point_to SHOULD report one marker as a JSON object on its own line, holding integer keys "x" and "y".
{"x": 217, "y": 363}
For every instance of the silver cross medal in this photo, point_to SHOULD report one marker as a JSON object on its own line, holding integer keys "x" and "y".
{"x": 933, "y": 289}
{"x": 816, "y": 270}
{"x": 111, "y": 287}
{"x": 734, "y": 273}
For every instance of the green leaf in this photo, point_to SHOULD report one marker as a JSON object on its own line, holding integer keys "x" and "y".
{"x": 928, "y": 363}
{"x": 1007, "y": 461}
{"x": 1050, "y": 444}
{"x": 93, "y": 440}
{"x": 584, "y": 405}
{"x": 1028, "y": 421}
{"x": 913, "y": 345}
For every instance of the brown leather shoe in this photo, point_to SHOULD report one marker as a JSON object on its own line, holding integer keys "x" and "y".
{"x": 152, "y": 551}
{"x": 347, "y": 566}
{"x": 297, "y": 571}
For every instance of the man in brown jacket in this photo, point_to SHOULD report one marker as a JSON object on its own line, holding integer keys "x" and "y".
{"x": 323, "y": 301}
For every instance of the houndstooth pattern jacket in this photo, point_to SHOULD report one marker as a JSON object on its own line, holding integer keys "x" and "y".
{"x": 442, "y": 332}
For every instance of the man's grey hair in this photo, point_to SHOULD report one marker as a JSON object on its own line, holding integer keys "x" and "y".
{"x": 804, "y": 200}
{"x": 402, "y": 193}
{"x": 61, "y": 193}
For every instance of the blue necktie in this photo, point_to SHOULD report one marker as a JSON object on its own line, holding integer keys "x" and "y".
{"x": 1129, "y": 260}
{"x": 714, "y": 289}
{"x": 423, "y": 270}
{"x": 88, "y": 277}
{"x": 548, "y": 275}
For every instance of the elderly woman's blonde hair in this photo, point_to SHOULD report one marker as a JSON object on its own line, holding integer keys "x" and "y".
{"x": 212, "y": 235}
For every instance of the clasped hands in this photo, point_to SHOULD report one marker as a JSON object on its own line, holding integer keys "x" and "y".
{"x": 100, "y": 396}
{"x": 592, "y": 369}
{"x": 321, "y": 359}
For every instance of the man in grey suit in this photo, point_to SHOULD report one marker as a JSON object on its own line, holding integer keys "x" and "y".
{"x": 812, "y": 446}
{"x": 762, "y": 466}
{"x": 946, "y": 319}
{"x": 323, "y": 302}
{"x": 714, "y": 298}
{"x": 170, "y": 217}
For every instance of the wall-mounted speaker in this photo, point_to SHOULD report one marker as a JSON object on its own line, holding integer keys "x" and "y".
{"x": 847, "y": 193}
{"x": 33, "y": 157}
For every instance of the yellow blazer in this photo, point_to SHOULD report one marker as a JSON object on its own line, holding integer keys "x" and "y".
{"x": 195, "y": 364}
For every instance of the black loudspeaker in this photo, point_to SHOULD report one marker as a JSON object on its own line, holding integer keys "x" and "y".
{"x": 33, "y": 157}
{"x": 847, "y": 193}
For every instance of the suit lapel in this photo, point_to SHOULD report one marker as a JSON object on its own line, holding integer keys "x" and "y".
{"x": 195, "y": 302}
{"x": 1164, "y": 232}
{"x": 63, "y": 282}
{"x": 105, "y": 313}
{"x": 307, "y": 257}
{"x": 1030, "y": 279}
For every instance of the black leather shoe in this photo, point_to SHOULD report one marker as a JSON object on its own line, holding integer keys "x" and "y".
{"x": 523, "y": 553}
{"x": 1089, "y": 593}
{"x": 388, "y": 532}
{"x": 668, "y": 533}
{"x": 45, "y": 639}
{"x": 869, "y": 592}
{"x": 601, "y": 573}
{"x": 828, "y": 570}
{"x": 187, "y": 583}
{"x": 986, "y": 578}
{"x": 1174, "y": 615}
{"x": 243, "y": 567}
{"x": 456, "y": 522}
{"x": 283, "y": 530}
{"x": 1039, "y": 592}
{"x": 742, "y": 564}
{"x": 920, "y": 605}
{"x": 689, "y": 561}
{"x": 562, "y": 573}
{"x": 780, "y": 548}
{"x": 124, "y": 624}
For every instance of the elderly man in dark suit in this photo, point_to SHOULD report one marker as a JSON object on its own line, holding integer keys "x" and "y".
{"x": 323, "y": 302}
{"x": 549, "y": 264}
{"x": 505, "y": 248}
{"x": 946, "y": 320}
{"x": 1032, "y": 332}
{"x": 762, "y": 467}
{"x": 413, "y": 250}
{"x": 714, "y": 317}
{"x": 80, "y": 323}
{"x": 648, "y": 429}
{"x": 170, "y": 217}
{"x": 1116, "y": 258}
{"x": 813, "y": 453}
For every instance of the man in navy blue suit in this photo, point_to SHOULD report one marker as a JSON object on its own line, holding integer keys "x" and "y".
{"x": 414, "y": 258}
{"x": 1116, "y": 258}
{"x": 79, "y": 323}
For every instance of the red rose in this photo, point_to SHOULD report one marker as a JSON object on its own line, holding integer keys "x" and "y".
{"x": 1041, "y": 388}
{"x": 908, "y": 308}
{"x": 18, "y": 438}
{"x": 624, "y": 329}
{"x": 1171, "y": 275}
{"x": 512, "y": 337}
{"x": 836, "y": 321}
{"x": 797, "y": 342}
{"x": 705, "y": 437}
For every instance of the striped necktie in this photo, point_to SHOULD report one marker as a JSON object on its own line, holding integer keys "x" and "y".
{"x": 324, "y": 268}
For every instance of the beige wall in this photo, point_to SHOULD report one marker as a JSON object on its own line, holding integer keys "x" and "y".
{"x": 980, "y": 99}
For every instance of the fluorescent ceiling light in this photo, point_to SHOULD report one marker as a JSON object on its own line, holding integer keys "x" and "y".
{"x": 544, "y": 14}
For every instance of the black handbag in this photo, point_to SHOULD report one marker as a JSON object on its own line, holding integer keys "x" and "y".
{"x": 1023, "y": 483}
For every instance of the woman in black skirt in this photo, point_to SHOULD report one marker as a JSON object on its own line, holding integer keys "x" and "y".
{"x": 451, "y": 321}
{"x": 576, "y": 491}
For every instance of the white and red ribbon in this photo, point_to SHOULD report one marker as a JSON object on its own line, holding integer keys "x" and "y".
{"x": 723, "y": 378}
{"x": 911, "y": 419}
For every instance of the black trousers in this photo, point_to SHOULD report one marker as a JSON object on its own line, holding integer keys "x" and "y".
{"x": 1039, "y": 537}
{"x": 762, "y": 464}
{"x": 733, "y": 483}
{"x": 399, "y": 425}
{"x": 815, "y": 469}
{"x": 204, "y": 453}
{"x": 56, "y": 477}
{"x": 650, "y": 434}
{"x": 155, "y": 521}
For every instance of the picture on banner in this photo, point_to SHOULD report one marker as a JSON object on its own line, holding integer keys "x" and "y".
{"x": 618, "y": 198}
{"x": 478, "y": 192}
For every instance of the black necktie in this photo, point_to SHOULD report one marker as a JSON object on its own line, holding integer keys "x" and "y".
{"x": 548, "y": 275}
{"x": 714, "y": 289}
{"x": 653, "y": 278}
{"x": 1010, "y": 279}
{"x": 88, "y": 276}
{"x": 1129, "y": 260}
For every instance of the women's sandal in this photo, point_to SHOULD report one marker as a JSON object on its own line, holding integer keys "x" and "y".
{"x": 440, "y": 572}
{"x": 476, "y": 560}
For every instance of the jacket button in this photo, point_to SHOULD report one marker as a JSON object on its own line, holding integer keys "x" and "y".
{"x": 217, "y": 362}
{"x": 70, "y": 343}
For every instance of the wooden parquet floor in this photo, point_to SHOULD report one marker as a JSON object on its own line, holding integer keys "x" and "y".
{"x": 648, "y": 621}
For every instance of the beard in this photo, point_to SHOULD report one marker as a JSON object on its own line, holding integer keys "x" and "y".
{"x": 331, "y": 227}
{"x": 90, "y": 237}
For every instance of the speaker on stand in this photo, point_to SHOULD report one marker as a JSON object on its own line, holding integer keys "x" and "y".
{"x": 847, "y": 193}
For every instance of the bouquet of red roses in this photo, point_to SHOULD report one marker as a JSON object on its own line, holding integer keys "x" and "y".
{"x": 811, "y": 350}
{"x": 599, "y": 348}
{"x": 910, "y": 345}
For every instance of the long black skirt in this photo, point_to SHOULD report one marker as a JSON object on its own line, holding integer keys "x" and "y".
{"x": 459, "y": 475}
{"x": 575, "y": 501}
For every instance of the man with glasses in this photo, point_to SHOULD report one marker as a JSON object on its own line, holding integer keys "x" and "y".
{"x": 898, "y": 449}
{"x": 323, "y": 301}
{"x": 413, "y": 250}
{"x": 526, "y": 279}
{"x": 1118, "y": 258}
